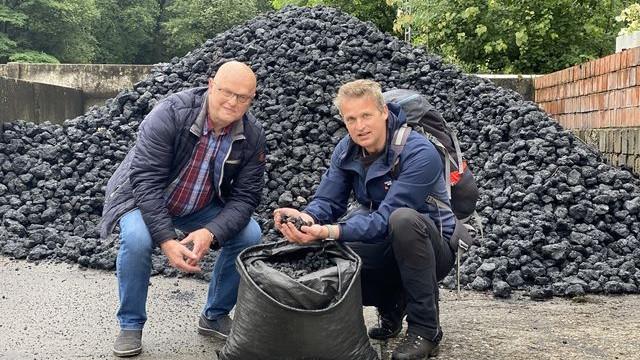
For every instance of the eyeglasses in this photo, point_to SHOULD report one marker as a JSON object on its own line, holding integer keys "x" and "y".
{"x": 242, "y": 99}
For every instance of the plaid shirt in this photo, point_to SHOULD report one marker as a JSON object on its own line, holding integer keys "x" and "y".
{"x": 194, "y": 188}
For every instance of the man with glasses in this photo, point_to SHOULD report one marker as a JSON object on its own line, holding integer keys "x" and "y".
{"x": 197, "y": 166}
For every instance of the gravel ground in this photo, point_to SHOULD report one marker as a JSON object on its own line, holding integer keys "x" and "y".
{"x": 55, "y": 311}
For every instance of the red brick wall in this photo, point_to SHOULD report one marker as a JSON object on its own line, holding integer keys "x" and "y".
{"x": 603, "y": 93}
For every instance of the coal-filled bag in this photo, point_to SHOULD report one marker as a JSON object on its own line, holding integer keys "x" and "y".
{"x": 314, "y": 316}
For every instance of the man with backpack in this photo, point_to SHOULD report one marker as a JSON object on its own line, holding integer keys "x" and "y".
{"x": 402, "y": 237}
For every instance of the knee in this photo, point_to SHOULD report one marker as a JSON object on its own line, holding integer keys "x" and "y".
{"x": 136, "y": 241}
{"x": 402, "y": 219}
{"x": 406, "y": 230}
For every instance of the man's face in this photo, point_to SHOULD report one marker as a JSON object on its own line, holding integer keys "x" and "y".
{"x": 229, "y": 98}
{"x": 366, "y": 124}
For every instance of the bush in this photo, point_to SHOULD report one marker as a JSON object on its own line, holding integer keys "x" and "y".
{"x": 31, "y": 56}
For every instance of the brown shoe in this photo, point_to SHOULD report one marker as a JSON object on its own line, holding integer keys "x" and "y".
{"x": 414, "y": 347}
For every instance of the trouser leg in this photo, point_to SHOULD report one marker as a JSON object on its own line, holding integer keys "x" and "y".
{"x": 423, "y": 259}
{"x": 223, "y": 287}
{"x": 133, "y": 269}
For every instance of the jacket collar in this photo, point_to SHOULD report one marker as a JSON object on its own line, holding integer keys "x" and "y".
{"x": 395, "y": 120}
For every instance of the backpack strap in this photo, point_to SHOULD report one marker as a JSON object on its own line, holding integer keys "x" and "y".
{"x": 398, "y": 142}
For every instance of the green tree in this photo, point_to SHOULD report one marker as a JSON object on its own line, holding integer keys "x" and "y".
{"x": 125, "y": 30}
{"x": 631, "y": 18}
{"x": 513, "y": 36}
{"x": 61, "y": 28}
{"x": 378, "y": 12}
{"x": 11, "y": 21}
{"x": 190, "y": 22}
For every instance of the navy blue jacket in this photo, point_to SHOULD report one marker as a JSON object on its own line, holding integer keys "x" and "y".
{"x": 164, "y": 145}
{"x": 420, "y": 175}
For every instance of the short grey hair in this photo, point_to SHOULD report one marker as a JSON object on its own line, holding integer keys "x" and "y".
{"x": 359, "y": 89}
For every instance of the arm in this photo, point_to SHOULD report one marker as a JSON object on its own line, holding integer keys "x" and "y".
{"x": 150, "y": 168}
{"x": 420, "y": 170}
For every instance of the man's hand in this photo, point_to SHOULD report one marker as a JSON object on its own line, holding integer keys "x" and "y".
{"x": 278, "y": 213}
{"x": 177, "y": 253}
{"x": 305, "y": 235}
{"x": 202, "y": 240}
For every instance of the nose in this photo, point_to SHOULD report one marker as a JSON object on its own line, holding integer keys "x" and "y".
{"x": 233, "y": 99}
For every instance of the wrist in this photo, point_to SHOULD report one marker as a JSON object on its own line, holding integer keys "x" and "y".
{"x": 331, "y": 234}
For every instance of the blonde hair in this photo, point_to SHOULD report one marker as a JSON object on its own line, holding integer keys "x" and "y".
{"x": 359, "y": 89}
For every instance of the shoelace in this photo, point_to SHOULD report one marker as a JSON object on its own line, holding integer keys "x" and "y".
{"x": 412, "y": 340}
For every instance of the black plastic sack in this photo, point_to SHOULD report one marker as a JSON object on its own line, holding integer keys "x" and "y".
{"x": 318, "y": 316}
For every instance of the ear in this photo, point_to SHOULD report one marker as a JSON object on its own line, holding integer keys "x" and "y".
{"x": 210, "y": 84}
{"x": 385, "y": 111}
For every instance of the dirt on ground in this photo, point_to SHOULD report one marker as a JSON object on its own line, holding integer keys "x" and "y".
{"x": 58, "y": 311}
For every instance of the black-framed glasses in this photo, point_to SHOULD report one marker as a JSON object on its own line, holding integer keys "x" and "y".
{"x": 242, "y": 99}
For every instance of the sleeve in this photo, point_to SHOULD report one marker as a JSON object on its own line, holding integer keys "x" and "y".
{"x": 245, "y": 195}
{"x": 420, "y": 170}
{"x": 150, "y": 169}
{"x": 331, "y": 198}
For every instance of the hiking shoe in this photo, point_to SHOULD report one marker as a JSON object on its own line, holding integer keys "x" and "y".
{"x": 218, "y": 328}
{"x": 389, "y": 324}
{"x": 128, "y": 343}
{"x": 414, "y": 347}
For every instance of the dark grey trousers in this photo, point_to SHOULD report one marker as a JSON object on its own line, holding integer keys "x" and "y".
{"x": 410, "y": 264}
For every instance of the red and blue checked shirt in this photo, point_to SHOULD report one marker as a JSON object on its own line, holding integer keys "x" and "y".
{"x": 194, "y": 188}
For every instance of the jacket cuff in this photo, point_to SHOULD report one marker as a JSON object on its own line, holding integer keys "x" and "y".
{"x": 217, "y": 232}
{"x": 163, "y": 236}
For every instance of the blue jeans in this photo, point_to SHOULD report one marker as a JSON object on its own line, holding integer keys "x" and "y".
{"x": 133, "y": 265}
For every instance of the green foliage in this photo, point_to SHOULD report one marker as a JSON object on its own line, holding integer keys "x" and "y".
{"x": 377, "y": 11}
{"x": 125, "y": 31}
{"x": 30, "y": 56}
{"x": 190, "y": 22}
{"x": 513, "y": 36}
{"x": 9, "y": 20}
{"x": 631, "y": 18}
{"x": 61, "y": 28}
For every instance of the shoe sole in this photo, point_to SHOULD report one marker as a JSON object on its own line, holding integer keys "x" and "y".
{"x": 127, "y": 353}
{"x": 434, "y": 352}
{"x": 212, "y": 333}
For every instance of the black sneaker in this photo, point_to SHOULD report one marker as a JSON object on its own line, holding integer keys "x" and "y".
{"x": 218, "y": 328}
{"x": 128, "y": 343}
{"x": 389, "y": 324}
{"x": 414, "y": 347}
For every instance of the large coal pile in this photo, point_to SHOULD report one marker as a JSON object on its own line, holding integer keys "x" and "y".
{"x": 557, "y": 220}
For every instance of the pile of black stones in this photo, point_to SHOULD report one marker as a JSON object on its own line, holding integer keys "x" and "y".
{"x": 557, "y": 220}
{"x": 312, "y": 261}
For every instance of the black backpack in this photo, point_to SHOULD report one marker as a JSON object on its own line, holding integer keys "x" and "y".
{"x": 461, "y": 185}
{"x": 426, "y": 120}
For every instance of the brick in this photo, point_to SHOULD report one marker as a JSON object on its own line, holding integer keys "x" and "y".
{"x": 624, "y": 56}
{"x": 634, "y": 56}
{"x": 632, "y": 76}
{"x": 601, "y": 141}
{"x": 623, "y": 141}
{"x": 617, "y": 141}
{"x": 631, "y": 140}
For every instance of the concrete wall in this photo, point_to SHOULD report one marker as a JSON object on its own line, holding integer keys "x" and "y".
{"x": 38, "y": 103}
{"x": 600, "y": 102}
{"x": 95, "y": 80}
{"x": 98, "y": 82}
{"x": 522, "y": 84}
